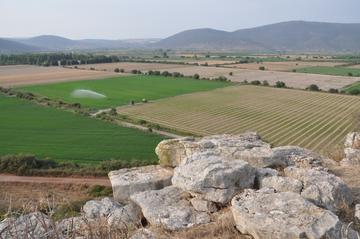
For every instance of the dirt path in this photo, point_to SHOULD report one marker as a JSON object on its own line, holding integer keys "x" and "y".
{"x": 160, "y": 132}
{"x": 54, "y": 180}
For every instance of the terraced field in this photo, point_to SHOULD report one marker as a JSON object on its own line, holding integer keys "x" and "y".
{"x": 317, "y": 121}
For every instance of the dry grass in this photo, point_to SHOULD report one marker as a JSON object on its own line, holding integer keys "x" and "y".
{"x": 27, "y": 75}
{"x": 223, "y": 227}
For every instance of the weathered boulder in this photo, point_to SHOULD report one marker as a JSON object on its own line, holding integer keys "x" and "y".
{"x": 323, "y": 188}
{"x": 297, "y": 156}
{"x": 69, "y": 225}
{"x": 169, "y": 208}
{"x": 129, "y": 215}
{"x": 203, "y": 205}
{"x": 143, "y": 233}
{"x": 268, "y": 215}
{"x": 96, "y": 209}
{"x": 214, "y": 178}
{"x": 352, "y": 140}
{"x": 282, "y": 184}
{"x": 262, "y": 173}
{"x": 126, "y": 182}
{"x": 248, "y": 147}
{"x": 32, "y": 225}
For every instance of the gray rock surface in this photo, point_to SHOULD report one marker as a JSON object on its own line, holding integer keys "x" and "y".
{"x": 203, "y": 205}
{"x": 126, "y": 182}
{"x": 169, "y": 208}
{"x": 352, "y": 150}
{"x": 129, "y": 215}
{"x": 268, "y": 215}
{"x": 248, "y": 147}
{"x": 297, "y": 156}
{"x": 214, "y": 178}
{"x": 323, "y": 188}
{"x": 96, "y": 209}
{"x": 282, "y": 184}
{"x": 32, "y": 225}
{"x": 357, "y": 213}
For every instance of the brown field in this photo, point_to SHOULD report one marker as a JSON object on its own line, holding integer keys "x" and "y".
{"x": 354, "y": 66}
{"x": 295, "y": 80}
{"x": 27, "y": 75}
{"x": 284, "y": 65}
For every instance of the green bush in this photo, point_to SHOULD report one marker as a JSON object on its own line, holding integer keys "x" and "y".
{"x": 354, "y": 92}
{"x": 280, "y": 84}
{"x": 196, "y": 76}
{"x": 99, "y": 191}
{"x": 334, "y": 91}
{"x": 262, "y": 68}
{"x": 255, "y": 82}
{"x": 313, "y": 87}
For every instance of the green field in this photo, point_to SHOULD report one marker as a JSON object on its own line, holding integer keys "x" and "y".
{"x": 317, "y": 121}
{"x": 64, "y": 136}
{"x": 352, "y": 87}
{"x": 121, "y": 90}
{"x": 336, "y": 71}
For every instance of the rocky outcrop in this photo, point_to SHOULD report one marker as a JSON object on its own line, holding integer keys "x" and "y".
{"x": 143, "y": 233}
{"x": 126, "y": 182}
{"x": 357, "y": 213}
{"x": 282, "y": 184}
{"x": 324, "y": 189}
{"x": 95, "y": 209}
{"x": 286, "y": 215}
{"x": 248, "y": 147}
{"x": 169, "y": 208}
{"x": 33, "y": 225}
{"x": 214, "y": 179}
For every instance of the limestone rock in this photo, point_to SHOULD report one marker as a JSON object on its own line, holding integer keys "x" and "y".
{"x": 297, "y": 156}
{"x": 203, "y": 205}
{"x": 69, "y": 225}
{"x": 96, "y": 209}
{"x": 126, "y": 182}
{"x": 214, "y": 179}
{"x": 352, "y": 149}
{"x": 282, "y": 184}
{"x": 32, "y": 225}
{"x": 352, "y": 140}
{"x": 168, "y": 208}
{"x": 323, "y": 188}
{"x": 143, "y": 233}
{"x": 125, "y": 216}
{"x": 248, "y": 147}
{"x": 268, "y": 215}
{"x": 262, "y": 173}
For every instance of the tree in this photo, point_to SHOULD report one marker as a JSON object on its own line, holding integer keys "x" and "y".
{"x": 262, "y": 68}
{"x": 334, "y": 91}
{"x": 231, "y": 74}
{"x": 196, "y": 76}
{"x": 117, "y": 70}
{"x": 280, "y": 84}
{"x": 122, "y": 70}
{"x": 255, "y": 82}
{"x": 313, "y": 87}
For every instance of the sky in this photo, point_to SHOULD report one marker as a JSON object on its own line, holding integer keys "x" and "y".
{"x": 131, "y": 19}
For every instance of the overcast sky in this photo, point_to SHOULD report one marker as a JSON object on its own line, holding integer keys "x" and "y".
{"x": 120, "y": 19}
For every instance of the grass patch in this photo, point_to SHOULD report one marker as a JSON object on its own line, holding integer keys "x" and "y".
{"x": 350, "y": 89}
{"x": 67, "y": 137}
{"x": 336, "y": 71}
{"x": 122, "y": 90}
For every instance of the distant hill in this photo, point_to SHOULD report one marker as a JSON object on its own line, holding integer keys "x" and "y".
{"x": 8, "y": 46}
{"x": 57, "y": 43}
{"x": 294, "y": 36}
{"x": 286, "y": 36}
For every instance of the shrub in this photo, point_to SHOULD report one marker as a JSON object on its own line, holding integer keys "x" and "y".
{"x": 334, "y": 91}
{"x": 150, "y": 72}
{"x": 294, "y": 70}
{"x": 176, "y": 74}
{"x": 221, "y": 78}
{"x": 231, "y": 74}
{"x": 262, "y": 68}
{"x": 117, "y": 70}
{"x": 134, "y": 71}
{"x": 24, "y": 164}
{"x": 144, "y": 100}
{"x": 142, "y": 122}
{"x": 354, "y": 92}
{"x": 255, "y": 82}
{"x": 265, "y": 83}
{"x": 99, "y": 191}
{"x": 196, "y": 76}
{"x": 313, "y": 87}
{"x": 350, "y": 74}
{"x": 280, "y": 84}
{"x": 122, "y": 70}
{"x": 165, "y": 73}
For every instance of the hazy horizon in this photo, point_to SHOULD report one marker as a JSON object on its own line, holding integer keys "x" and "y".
{"x": 136, "y": 19}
